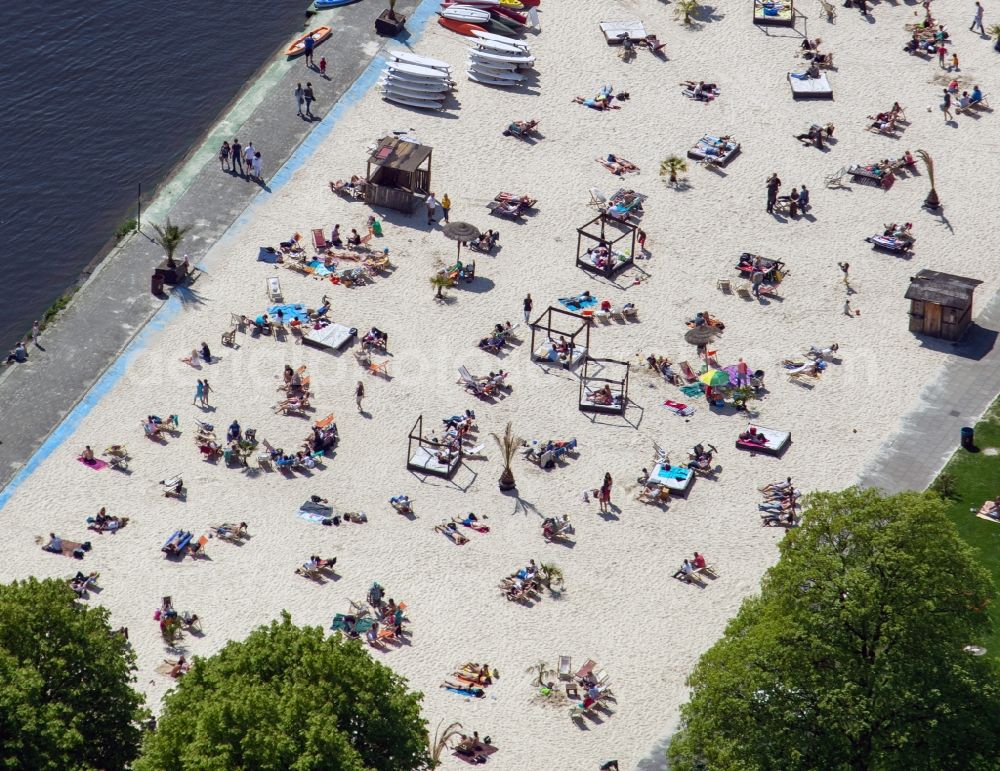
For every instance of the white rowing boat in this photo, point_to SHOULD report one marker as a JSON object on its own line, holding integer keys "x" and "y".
{"x": 402, "y": 99}
{"x": 513, "y": 77}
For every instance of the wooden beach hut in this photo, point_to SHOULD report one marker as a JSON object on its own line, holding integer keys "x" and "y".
{"x": 398, "y": 175}
{"x": 606, "y": 234}
{"x": 940, "y": 304}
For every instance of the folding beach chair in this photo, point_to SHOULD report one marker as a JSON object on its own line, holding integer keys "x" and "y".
{"x": 687, "y": 372}
{"x": 725, "y": 285}
{"x": 565, "y": 667}
{"x": 597, "y": 198}
{"x": 319, "y": 240}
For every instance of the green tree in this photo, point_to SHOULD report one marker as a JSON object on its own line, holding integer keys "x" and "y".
{"x": 171, "y": 236}
{"x": 66, "y": 700}
{"x": 671, "y": 167}
{"x": 852, "y": 656}
{"x": 289, "y": 697}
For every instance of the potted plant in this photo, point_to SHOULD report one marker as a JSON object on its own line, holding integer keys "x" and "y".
{"x": 171, "y": 236}
{"x": 508, "y": 444}
{"x": 685, "y": 10}
{"x": 931, "y": 201}
{"x": 390, "y": 23}
{"x": 441, "y": 281}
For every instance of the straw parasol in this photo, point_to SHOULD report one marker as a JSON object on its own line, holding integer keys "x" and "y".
{"x": 702, "y": 335}
{"x": 460, "y": 232}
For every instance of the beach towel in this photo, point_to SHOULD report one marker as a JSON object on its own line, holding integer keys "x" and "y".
{"x": 477, "y": 692}
{"x": 290, "y": 311}
{"x": 95, "y": 464}
{"x": 675, "y": 472}
{"x": 691, "y": 390}
{"x": 678, "y": 409}
{"x": 320, "y": 269}
{"x": 315, "y": 512}
{"x": 267, "y": 254}
{"x": 575, "y": 303}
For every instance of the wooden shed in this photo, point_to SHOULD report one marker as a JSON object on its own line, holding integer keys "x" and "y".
{"x": 399, "y": 173}
{"x": 940, "y": 304}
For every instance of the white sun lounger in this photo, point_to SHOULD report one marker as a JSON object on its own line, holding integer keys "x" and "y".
{"x": 613, "y": 30}
{"x": 274, "y": 289}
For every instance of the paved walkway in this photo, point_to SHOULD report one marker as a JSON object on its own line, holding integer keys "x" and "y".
{"x": 115, "y": 303}
{"x": 929, "y": 434}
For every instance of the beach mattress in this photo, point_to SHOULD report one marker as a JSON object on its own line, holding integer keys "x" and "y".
{"x": 333, "y": 336}
{"x": 678, "y": 478}
{"x": 423, "y": 458}
{"x": 811, "y": 88}
{"x": 777, "y": 440}
{"x": 613, "y": 30}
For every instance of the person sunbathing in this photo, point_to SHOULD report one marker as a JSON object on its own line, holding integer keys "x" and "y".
{"x": 177, "y": 668}
{"x": 684, "y": 571}
{"x": 750, "y": 436}
{"x": 80, "y": 583}
{"x": 602, "y": 396}
{"x": 652, "y": 42}
{"x": 601, "y": 102}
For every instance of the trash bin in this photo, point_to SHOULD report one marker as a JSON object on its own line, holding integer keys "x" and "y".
{"x": 156, "y": 284}
{"x": 968, "y": 437}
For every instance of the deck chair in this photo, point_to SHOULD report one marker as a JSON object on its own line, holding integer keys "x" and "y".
{"x": 655, "y": 494}
{"x": 198, "y": 547}
{"x": 325, "y": 421}
{"x": 687, "y": 372}
{"x": 274, "y": 289}
{"x": 725, "y": 285}
{"x": 319, "y": 240}
{"x": 743, "y": 290}
{"x": 586, "y": 669}
{"x": 565, "y": 668}
{"x": 597, "y": 198}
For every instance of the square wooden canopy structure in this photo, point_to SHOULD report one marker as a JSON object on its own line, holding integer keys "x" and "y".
{"x": 554, "y": 323}
{"x": 940, "y": 304}
{"x": 765, "y": 13}
{"x": 422, "y": 453}
{"x": 592, "y": 382}
{"x": 399, "y": 173}
{"x": 611, "y": 233}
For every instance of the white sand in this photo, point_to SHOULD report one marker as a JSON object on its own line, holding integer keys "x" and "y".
{"x": 621, "y": 607}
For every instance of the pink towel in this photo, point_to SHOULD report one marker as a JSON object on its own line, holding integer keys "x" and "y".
{"x": 95, "y": 464}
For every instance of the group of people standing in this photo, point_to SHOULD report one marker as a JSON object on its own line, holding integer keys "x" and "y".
{"x": 247, "y": 158}
{"x": 797, "y": 200}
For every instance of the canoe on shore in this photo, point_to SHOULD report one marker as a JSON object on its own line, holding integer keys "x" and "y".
{"x": 461, "y": 27}
{"x": 298, "y": 45}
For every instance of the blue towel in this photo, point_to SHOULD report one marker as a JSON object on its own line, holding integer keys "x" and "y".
{"x": 675, "y": 472}
{"x": 575, "y": 303}
{"x": 290, "y": 311}
{"x": 320, "y": 269}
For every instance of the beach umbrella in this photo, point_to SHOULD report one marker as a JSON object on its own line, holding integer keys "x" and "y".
{"x": 702, "y": 335}
{"x": 715, "y": 378}
{"x": 460, "y": 232}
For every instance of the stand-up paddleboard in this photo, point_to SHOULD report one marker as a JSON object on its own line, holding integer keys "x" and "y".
{"x": 400, "y": 99}
{"x": 440, "y": 85}
{"x": 485, "y": 79}
{"x": 416, "y": 70}
{"x": 319, "y": 5}
{"x": 298, "y": 45}
{"x": 501, "y": 39}
{"x": 499, "y": 48}
{"x": 499, "y": 11}
{"x": 514, "y": 77}
{"x": 416, "y": 96}
{"x": 518, "y": 59}
{"x": 416, "y": 85}
{"x": 488, "y": 65}
{"x": 420, "y": 61}
{"x": 466, "y": 13}
{"x": 461, "y": 27}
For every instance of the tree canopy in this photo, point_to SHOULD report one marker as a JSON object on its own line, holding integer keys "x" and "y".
{"x": 66, "y": 700}
{"x": 289, "y": 697}
{"x": 852, "y": 656}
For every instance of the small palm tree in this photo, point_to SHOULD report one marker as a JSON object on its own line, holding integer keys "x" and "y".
{"x": 441, "y": 281}
{"x": 685, "y": 9}
{"x": 508, "y": 444}
{"x": 931, "y": 201}
{"x": 994, "y": 30}
{"x": 551, "y": 575}
{"x": 171, "y": 236}
{"x": 671, "y": 167}
{"x": 440, "y": 741}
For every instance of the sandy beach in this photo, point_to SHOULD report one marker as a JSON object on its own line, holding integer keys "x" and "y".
{"x": 620, "y": 606}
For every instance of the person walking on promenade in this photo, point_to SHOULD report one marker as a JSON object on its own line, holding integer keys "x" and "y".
{"x": 322, "y": 67}
{"x": 445, "y": 206}
{"x": 237, "y": 155}
{"x": 773, "y": 186}
{"x": 528, "y": 304}
{"x": 310, "y": 44}
{"x": 36, "y": 331}
{"x": 977, "y": 20}
{"x": 309, "y": 96}
{"x": 359, "y": 394}
{"x": 257, "y": 166}
{"x": 224, "y": 156}
{"x": 248, "y": 152}
{"x": 299, "y": 98}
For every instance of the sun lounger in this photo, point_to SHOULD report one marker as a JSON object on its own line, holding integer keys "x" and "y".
{"x": 597, "y": 198}
{"x": 711, "y": 149}
{"x": 775, "y": 444}
{"x": 274, "y": 289}
{"x": 586, "y": 669}
{"x": 615, "y": 30}
{"x": 810, "y": 88}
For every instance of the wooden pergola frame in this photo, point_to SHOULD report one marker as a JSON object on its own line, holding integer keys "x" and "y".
{"x": 617, "y": 385}
{"x": 550, "y": 329}
{"x": 431, "y": 446}
{"x": 626, "y": 230}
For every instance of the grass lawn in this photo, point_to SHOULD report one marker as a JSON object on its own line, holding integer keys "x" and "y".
{"x": 976, "y": 478}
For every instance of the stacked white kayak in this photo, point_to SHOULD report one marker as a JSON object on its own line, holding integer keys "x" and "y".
{"x": 496, "y": 60}
{"x": 472, "y": 14}
{"x": 416, "y": 81}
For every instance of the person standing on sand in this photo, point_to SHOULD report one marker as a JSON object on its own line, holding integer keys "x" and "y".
{"x": 310, "y": 97}
{"x": 941, "y": 51}
{"x": 208, "y": 390}
{"x": 237, "y": 155}
{"x": 803, "y": 199}
{"x": 844, "y": 268}
{"x": 773, "y": 186}
{"x": 199, "y": 393}
{"x": 946, "y": 105}
{"x": 432, "y": 205}
{"x": 977, "y": 20}
{"x": 359, "y": 394}
{"x": 445, "y": 206}
{"x": 528, "y": 304}
{"x": 224, "y": 156}
{"x": 604, "y": 494}
{"x": 309, "y": 44}
{"x": 299, "y": 97}
{"x": 742, "y": 373}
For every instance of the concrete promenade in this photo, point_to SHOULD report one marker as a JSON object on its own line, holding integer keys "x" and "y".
{"x": 115, "y": 303}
